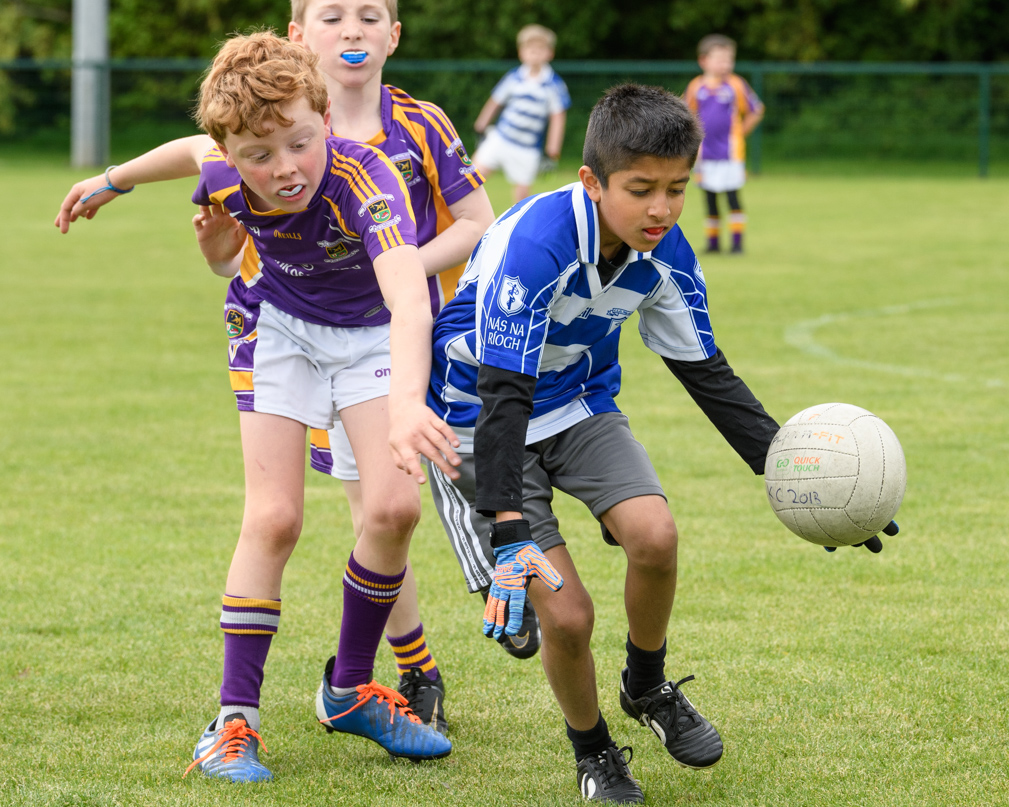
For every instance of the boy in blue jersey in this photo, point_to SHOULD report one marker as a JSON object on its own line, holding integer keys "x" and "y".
{"x": 533, "y": 102}
{"x": 526, "y": 370}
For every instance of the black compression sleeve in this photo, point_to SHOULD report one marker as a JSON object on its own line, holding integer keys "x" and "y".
{"x": 499, "y": 443}
{"x": 729, "y": 405}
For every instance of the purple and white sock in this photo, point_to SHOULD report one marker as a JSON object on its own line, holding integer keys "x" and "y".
{"x": 368, "y": 598}
{"x": 249, "y": 625}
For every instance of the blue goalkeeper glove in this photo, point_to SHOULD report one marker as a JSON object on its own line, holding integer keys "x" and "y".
{"x": 518, "y": 559}
{"x": 873, "y": 544}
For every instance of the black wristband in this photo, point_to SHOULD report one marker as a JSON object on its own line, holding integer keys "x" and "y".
{"x": 515, "y": 531}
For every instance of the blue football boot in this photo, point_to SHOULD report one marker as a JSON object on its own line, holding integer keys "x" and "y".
{"x": 231, "y": 752}
{"x": 380, "y": 714}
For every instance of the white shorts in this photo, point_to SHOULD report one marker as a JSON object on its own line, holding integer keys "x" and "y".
{"x": 332, "y": 454}
{"x": 309, "y": 372}
{"x": 719, "y": 176}
{"x": 519, "y": 163}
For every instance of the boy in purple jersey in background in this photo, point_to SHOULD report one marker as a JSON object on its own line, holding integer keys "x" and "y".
{"x": 729, "y": 110}
{"x": 354, "y": 39}
{"x": 328, "y": 321}
{"x": 452, "y": 211}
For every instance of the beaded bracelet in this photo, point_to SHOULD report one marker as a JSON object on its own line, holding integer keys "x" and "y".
{"x": 108, "y": 187}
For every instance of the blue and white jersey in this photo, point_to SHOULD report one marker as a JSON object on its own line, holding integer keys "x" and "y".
{"x": 528, "y": 104}
{"x": 531, "y": 301}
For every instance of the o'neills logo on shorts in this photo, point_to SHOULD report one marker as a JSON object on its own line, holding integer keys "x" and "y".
{"x": 235, "y": 322}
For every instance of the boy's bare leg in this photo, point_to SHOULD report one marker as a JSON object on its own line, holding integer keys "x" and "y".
{"x": 566, "y": 619}
{"x": 390, "y": 498}
{"x": 273, "y": 449}
{"x": 644, "y": 528}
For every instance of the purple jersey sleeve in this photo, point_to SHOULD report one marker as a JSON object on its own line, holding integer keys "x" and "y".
{"x": 451, "y": 167}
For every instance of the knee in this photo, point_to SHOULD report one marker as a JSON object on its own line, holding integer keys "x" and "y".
{"x": 654, "y": 547}
{"x": 394, "y": 516}
{"x": 570, "y": 628}
{"x": 276, "y": 524}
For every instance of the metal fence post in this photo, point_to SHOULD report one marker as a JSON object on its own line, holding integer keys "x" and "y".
{"x": 983, "y": 120}
{"x": 89, "y": 100}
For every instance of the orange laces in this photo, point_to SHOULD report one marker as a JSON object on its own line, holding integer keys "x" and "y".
{"x": 234, "y": 736}
{"x": 366, "y": 692}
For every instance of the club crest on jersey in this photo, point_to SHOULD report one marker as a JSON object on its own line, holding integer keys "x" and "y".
{"x": 335, "y": 250}
{"x": 235, "y": 322}
{"x": 511, "y": 298}
{"x": 378, "y": 207}
{"x": 460, "y": 151}
{"x": 380, "y": 211}
{"x": 405, "y": 167}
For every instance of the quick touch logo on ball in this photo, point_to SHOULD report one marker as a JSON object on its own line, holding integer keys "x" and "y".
{"x": 800, "y": 464}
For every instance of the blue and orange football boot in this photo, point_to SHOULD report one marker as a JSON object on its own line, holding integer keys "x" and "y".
{"x": 380, "y": 714}
{"x": 231, "y": 752}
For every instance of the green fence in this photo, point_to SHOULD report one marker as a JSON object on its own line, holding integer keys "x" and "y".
{"x": 874, "y": 114}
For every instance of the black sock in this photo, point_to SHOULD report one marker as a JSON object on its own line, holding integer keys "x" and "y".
{"x": 646, "y": 669}
{"x": 594, "y": 741}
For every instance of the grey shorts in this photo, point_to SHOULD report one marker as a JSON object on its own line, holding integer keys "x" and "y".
{"x": 597, "y": 461}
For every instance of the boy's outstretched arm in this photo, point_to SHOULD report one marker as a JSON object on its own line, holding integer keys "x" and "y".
{"x": 730, "y": 406}
{"x": 473, "y": 214}
{"x": 174, "y": 160}
{"x": 555, "y": 135}
{"x": 413, "y": 428}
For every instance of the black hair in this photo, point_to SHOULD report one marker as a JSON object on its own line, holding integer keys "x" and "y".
{"x": 632, "y": 121}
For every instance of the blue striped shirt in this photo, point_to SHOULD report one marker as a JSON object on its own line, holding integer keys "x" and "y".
{"x": 531, "y": 301}
{"x": 528, "y": 104}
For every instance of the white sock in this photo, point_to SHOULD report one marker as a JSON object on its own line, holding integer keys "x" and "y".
{"x": 251, "y": 716}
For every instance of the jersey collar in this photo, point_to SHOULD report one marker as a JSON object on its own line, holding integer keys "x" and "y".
{"x": 543, "y": 77}
{"x": 587, "y": 224}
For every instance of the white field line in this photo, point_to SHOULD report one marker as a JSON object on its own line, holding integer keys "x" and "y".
{"x": 802, "y": 336}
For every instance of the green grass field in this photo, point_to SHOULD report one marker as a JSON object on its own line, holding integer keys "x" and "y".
{"x": 844, "y": 679}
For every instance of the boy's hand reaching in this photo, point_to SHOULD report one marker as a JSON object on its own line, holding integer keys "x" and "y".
{"x": 517, "y": 561}
{"x": 873, "y": 544}
{"x": 415, "y": 429}
{"x": 221, "y": 238}
{"x": 84, "y": 200}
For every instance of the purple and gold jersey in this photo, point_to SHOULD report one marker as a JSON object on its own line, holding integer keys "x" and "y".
{"x": 316, "y": 264}
{"x": 721, "y": 110}
{"x": 423, "y": 144}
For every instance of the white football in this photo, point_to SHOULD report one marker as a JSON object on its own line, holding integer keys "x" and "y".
{"x": 835, "y": 474}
